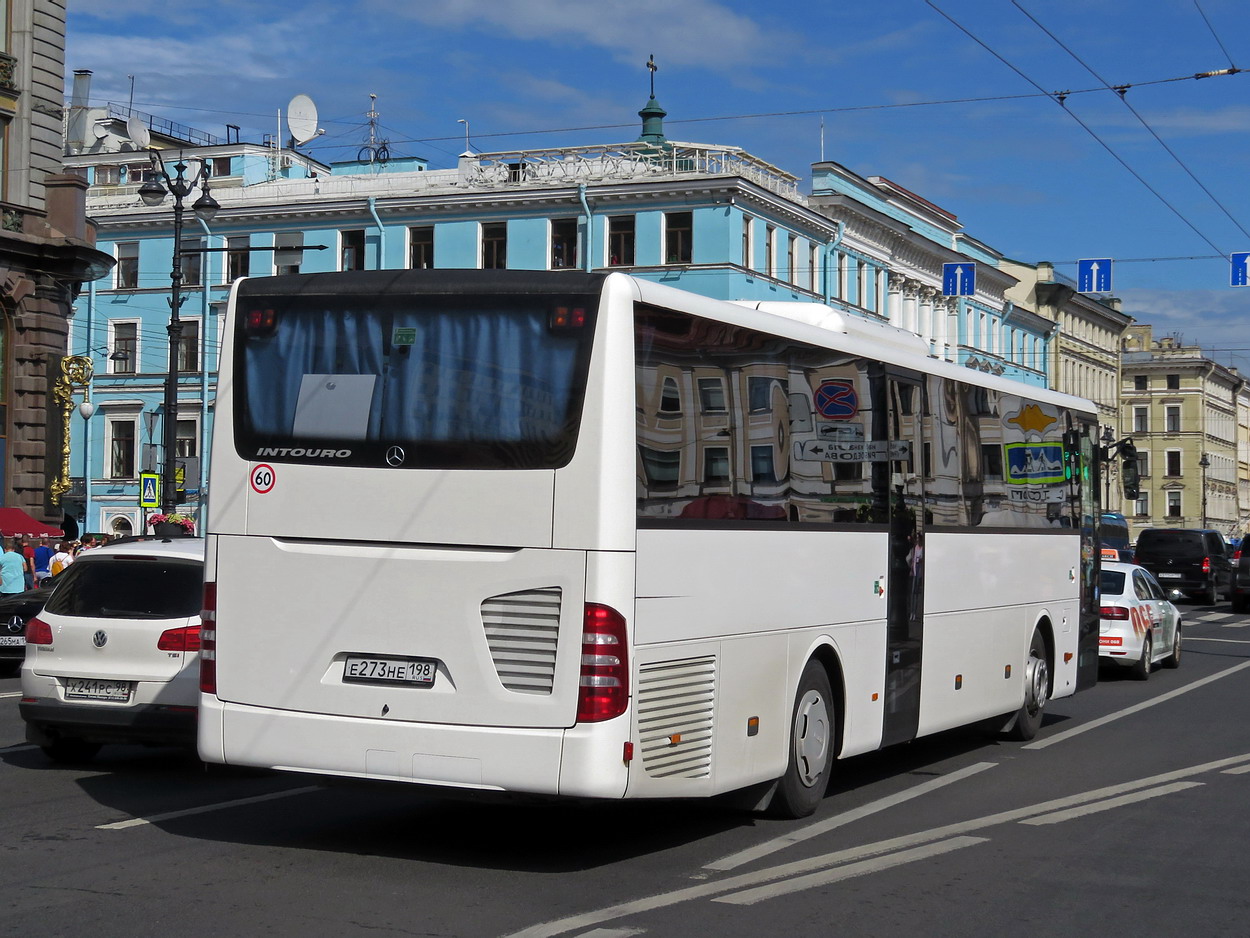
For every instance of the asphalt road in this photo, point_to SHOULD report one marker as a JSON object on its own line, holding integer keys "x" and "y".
{"x": 1126, "y": 815}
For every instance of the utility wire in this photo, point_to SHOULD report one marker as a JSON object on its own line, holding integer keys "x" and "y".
{"x": 1059, "y": 99}
{"x": 1121, "y": 93}
{"x": 1214, "y": 35}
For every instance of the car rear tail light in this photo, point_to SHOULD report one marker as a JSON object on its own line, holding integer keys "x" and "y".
{"x": 1206, "y": 564}
{"x": 1237, "y": 554}
{"x": 38, "y": 632}
{"x": 1113, "y": 612}
{"x": 208, "y": 640}
{"x": 186, "y": 638}
{"x": 603, "y": 691}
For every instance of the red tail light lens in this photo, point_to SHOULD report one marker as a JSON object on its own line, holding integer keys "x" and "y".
{"x": 38, "y": 632}
{"x": 208, "y": 640}
{"x": 603, "y": 691}
{"x": 260, "y": 323}
{"x": 186, "y": 638}
{"x": 1206, "y": 564}
{"x": 1113, "y": 612}
{"x": 1237, "y": 554}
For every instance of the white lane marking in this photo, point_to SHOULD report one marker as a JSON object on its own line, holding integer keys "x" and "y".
{"x": 1226, "y": 641}
{"x": 837, "y": 874}
{"x": 613, "y": 933}
{"x": 15, "y": 693}
{"x": 203, "y": 809}
{"x": 1238, "y": 770}
{"x": 735, "y": 860}
{"x": 1128, "y": 711}
{"x": 1109, "y": 803}
{"x": 1215, "y": 616}
{"x": 904, "y": 842}
{"x": 19, "y": 747}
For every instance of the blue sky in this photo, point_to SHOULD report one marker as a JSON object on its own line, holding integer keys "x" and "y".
{"x": 903, "y": 92}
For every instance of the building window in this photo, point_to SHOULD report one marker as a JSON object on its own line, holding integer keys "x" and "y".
{"x": 747, "y": 260}
{"x": 712, "y": 396}
{"x": 1172, "y": 419}
{"x": 991, "y": 461}
{"x": 670, "y": 397}
{"x": 495, "y": 245}
{"x": 678, "y": 229}
{"x": 1173, "y": 463}
{"x": 121, "y": 448}
{"x": 794, "y": 259}
{"x": 352, "y": 249}
{"x": 1141, "y": 419}
{"x": 621, "y": 241}
{"x": 1174, "y": 382}
{"x": 661, "y": 468}
{"x": 760, "y": 394}
{"x": 716, "y": 465}
{"x": 421, "y": 247}
{"x": 770, "y": 247}
{"x": 288, "y": 252}
{"x": 238, "y": 258}
{"x": 127, "y": 265}
{"x": 192, "y": 261}
{"x": 763, "y": 468}
{"x": 1143, "y": 465}
{"x": 563, "y": 243}
{"x": 126, "y": 342}
{"x": 186, "y": 441}
{"x": 221, "y": 166}
{"x": 1141, "y": 383}
{"x": 1141, "y": 507}
{"x": 814, "y": 276}
{"x": 1174, "y": 505}
{"x": 189, "y": 346}
{"x": 108, "y": 176}
{"x": 861, "y": 284}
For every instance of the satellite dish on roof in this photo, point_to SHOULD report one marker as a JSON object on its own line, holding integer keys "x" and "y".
{"x": 100, "y": 130}
{"x": 138, "y": 131}
{"x": 301, "y": 118}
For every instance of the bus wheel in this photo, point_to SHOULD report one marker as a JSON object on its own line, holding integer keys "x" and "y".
{"x": 811, "y": 747}
{"x": 1028, "y": 719}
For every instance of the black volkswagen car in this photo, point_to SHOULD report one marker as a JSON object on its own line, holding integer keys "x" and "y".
{"x": 1193, "y": 560}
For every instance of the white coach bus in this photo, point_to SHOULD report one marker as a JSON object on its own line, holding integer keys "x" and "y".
{"x": 585, "y": 535}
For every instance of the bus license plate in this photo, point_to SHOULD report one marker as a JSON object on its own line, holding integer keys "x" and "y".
{"x": 367, "y": 669}
{"x": 77, "y": 688}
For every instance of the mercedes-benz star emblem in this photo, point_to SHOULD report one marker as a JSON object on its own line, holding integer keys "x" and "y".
{"x": 15, "y": 625}
{"x": 395, "y": 456}
{"x": 100, "y": 638}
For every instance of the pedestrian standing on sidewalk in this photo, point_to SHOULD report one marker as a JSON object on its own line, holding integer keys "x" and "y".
{"x": 13, "y": 568}
{"x": 43, "y": 560}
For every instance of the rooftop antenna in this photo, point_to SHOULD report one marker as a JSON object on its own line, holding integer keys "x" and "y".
{"x": 375, "y": 151}
{"x": 131, "y": 106}
{"x": 468, "y": 151}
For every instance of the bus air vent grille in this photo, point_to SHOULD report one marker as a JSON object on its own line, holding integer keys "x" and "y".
{"x": 521, "y": 631}
{"x": 675, "y": 702}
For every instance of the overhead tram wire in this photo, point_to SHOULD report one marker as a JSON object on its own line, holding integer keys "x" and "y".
{"x": 1214, "y": 35}
{"x": 1121, "y": 93}
{"x": 845, "y": 109}
{"x": 1059, "y": 99}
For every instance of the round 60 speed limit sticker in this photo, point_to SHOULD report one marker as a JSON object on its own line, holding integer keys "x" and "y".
{"x": 263, "y": 479}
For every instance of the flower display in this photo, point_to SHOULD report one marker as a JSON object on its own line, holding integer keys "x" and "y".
{"x": 186, "y": 522}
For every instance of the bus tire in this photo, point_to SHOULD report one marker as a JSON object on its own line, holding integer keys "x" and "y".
{"x": 800, "y": 790}
{"x": 1028, "y": 719}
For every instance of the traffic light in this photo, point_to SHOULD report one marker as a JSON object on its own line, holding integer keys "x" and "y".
{"x": 1128, "y": 470}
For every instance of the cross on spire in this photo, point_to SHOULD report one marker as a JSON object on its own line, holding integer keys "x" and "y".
{"x": 652, "y": 68}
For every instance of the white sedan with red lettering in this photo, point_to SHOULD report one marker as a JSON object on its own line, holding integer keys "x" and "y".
{"x": 1140, "y": 627}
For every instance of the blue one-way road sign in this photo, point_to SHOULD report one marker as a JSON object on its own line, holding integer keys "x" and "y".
{"x": 959, "y": 279}
{"x": 1094, "y": 276}
{"x": 1240, "y": 276}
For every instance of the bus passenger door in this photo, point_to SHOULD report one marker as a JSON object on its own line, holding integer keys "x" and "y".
{"x": 898, "y": 481}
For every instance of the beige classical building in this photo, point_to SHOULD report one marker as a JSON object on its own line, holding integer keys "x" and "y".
{"x": 1183, "y": 412}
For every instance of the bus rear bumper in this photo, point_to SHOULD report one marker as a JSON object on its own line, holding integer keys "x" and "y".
{"x": 481, "y": 758}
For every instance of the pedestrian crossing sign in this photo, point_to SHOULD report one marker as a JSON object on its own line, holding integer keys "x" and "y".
{"x": 149, "y": 485}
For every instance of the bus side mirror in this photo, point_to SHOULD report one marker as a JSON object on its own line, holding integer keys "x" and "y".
{"x": 1128, "y": 471}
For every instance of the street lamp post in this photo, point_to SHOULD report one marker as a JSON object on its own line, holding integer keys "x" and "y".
{"x": 205, "y": 207}
{"x": 1204, "y": 464}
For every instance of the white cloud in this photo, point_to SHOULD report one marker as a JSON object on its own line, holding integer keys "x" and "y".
{"x": 1217, "y": 320}
{"x": 695, "y": 32}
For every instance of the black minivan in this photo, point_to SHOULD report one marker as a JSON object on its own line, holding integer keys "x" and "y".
{"x": 1192, "y": 560}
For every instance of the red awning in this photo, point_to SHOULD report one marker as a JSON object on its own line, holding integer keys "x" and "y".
{"x": 16, "y": 523}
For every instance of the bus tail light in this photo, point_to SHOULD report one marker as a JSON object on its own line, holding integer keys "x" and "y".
{"x": 186, "y": 638}
{"x": 38, "y": 632}
{"x": 208, "y": 640}
{"x": 603, "y": 689}
{"x": 1113, "y": 612}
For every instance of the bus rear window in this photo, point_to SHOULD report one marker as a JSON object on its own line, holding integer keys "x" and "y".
{"x": 412, "y": 381}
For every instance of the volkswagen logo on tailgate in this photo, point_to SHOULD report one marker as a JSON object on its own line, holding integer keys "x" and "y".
{"x": 395, "y": 456}
{"x": 100, "y": 638}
